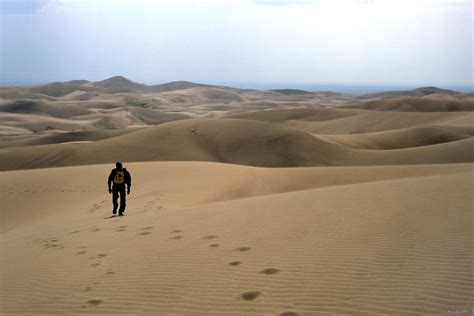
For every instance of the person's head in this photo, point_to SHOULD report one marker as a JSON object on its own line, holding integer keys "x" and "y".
{"x": 118, "y": 164}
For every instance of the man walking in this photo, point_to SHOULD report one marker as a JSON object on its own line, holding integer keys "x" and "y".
{"x": 119, "y": 177}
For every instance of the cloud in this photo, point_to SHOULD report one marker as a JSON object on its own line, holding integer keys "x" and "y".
{"x": 286, "y": 2}
{"x": 21, "y": 7}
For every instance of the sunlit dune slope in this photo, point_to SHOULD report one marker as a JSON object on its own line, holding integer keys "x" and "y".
{"x": 206, "y": 238}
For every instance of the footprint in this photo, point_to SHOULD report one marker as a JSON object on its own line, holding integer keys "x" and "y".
{"x": 147, "y": 228}
{"x": 122, "y": 226}
{"x": 209, "y": 237}
{"x": 110, "y": 273}
{"x": 235, "y": 263}
{"x": 144, "y": 233}
{"x": 270, "y": 271}
{"x": 88, "y": 289}
{"x": 176, "y": 231}
{"x": 214, "y": 245}
{"x": 250, "y": 296}
{"x": 176, "y": 237}
{"x": 95, "y": 302}
{"x": 74, "y": 232}
{"x": 120, "y": 230}
{"x": 289, "y": 313}
{"x": 242, "y": 249}
{"x": 95, "y": 265}
{"x": 81, "y": 252}
{"x": 102, "y": 255}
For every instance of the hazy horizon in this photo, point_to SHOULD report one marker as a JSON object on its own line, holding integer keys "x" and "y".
{"x": 288, "y": 43}
{"x": 355, "y": 88}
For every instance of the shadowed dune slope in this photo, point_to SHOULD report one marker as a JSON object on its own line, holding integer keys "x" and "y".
{"x": 416, "y": 105}
{"x": 61, "y": 137}
{"x": 401, "y": 245}
{"x": 355, "y": 121}
{"x": 235, "y": 141}
{"x": 379, "y": 121}
{"x": 403, "y": 138}
{"x": 43, "y": 108}
{"x": 40, "y": 123}
{"x": 304, "y": 114}
{"x": 12, "y": 93}
{"x": 218, "y": 140}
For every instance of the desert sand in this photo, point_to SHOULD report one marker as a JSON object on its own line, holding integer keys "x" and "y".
{"x": 283, "y": 202}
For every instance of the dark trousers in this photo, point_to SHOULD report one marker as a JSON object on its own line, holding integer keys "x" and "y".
{"x": 116, "y": 189}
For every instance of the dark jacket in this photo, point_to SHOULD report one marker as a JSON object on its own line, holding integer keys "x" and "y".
{"x": 127, "y": 176}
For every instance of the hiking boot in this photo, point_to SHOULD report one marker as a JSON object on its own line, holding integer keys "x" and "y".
{"x": 114, "y": 212}
{"x": 120, "y": 214}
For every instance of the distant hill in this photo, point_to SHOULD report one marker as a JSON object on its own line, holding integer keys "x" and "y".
{"x": 418, "y": 92}
{"x": 175, "y": 85}
{"x": 416, "y": 104}
{"x": 58, "y": 89}
{"x": 120, "y": 84}
{"x": 291, "y": 91}
{"x": 112, "y": 85}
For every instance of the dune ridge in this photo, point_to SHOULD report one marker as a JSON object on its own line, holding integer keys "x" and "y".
{"x": 234, "y": 141}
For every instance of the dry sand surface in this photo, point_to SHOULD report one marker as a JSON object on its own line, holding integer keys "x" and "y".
{"x": 283, "y": 202}
{"x": 375, "y": 240}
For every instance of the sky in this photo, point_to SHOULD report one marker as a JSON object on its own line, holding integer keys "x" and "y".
{"x": 346, "y": 42}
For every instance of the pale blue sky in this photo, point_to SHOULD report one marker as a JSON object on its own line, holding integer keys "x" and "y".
{"x": 360, "y": 42}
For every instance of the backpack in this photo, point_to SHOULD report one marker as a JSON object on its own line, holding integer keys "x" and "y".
{"x": 119, "y": 177}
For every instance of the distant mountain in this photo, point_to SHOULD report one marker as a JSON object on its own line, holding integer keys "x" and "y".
{"x": 291, "y": 91}
{"x": 176, "y": 85}
{"x": 119, "y": 83}
{"x": 416, "y": 104}
{"x": 59, "y": 89}
{"x": 418, "y": 92}
{"x": 77, "y": 82}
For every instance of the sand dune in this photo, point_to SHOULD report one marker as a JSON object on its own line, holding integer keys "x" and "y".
{"x": 58, "y": 137}
{"x": 378, "y": 121}
{"x": 307, "y": 241}
{"x": 367, "y": 209}
{"x": 41, "y": 123}
{"x": 40, "y": 108}
{"x": 417, "y": 105}
{"x": 244, "y": 142}
{"x": 356, "y": 121}
{"x": 404, "y": 138}
{"x": 219, "y": 140}
{"x": 304, "y": 114}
